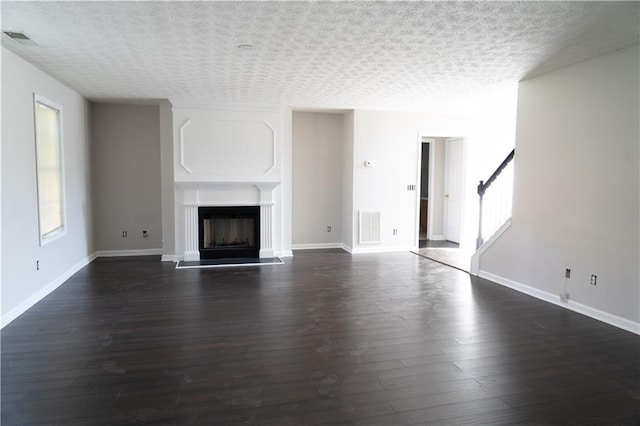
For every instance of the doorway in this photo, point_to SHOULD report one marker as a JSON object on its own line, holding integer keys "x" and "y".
{"x": 440, "y": 211}
{"x": 440, "y": 199}
{"x": 423, "y": 228}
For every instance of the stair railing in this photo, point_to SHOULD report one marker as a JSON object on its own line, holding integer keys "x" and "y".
{"x": 498, "y": 202}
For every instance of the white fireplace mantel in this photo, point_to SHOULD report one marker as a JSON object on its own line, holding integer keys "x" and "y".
{"x": 227, "y": 193}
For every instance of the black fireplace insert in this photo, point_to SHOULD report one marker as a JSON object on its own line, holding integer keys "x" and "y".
{"x": 225, "y": 232}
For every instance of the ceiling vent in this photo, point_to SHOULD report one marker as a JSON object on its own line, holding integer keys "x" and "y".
{"x": 19, "y": 37}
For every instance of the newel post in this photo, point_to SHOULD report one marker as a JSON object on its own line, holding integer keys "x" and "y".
{"x": 481, "y": 189}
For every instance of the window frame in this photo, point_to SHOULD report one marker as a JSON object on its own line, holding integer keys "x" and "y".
{"x": 61, "y": 231}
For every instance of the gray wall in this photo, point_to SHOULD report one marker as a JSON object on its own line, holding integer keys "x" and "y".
{"x": 317, "y": 178}
{"x": 125, "y": 154}
{"x": 167, "y": 182}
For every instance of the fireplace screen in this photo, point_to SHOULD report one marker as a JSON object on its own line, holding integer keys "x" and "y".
{"x": 225, "y": 231}
{"x": 229, "y": 231}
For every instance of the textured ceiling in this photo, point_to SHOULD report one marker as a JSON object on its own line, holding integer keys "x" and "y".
{"x": 370, "y": 55}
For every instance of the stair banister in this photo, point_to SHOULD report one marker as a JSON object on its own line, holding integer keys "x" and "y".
{"x": 482, "y": 189}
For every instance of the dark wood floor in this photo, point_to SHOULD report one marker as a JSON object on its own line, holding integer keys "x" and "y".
{"x": 325, "y": 338}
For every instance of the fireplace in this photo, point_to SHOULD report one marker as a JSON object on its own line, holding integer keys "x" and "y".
{"x": 225, "y": 232}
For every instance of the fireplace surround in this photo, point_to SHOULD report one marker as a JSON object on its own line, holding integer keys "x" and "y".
{"x": 193, "y": 195}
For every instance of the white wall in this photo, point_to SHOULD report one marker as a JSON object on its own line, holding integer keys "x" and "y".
{"x": 285, "y": 188}
{"x": 317, "y": 179}
{"x": 125, "y": 152}
{"x": 22, "y": 284}
{"x": 347, "y": 179}
{"x": 392, "y": 141}
{"x": 576, "y": 190}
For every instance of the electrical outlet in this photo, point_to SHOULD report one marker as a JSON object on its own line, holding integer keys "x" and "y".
{"x": 328, "y": 229}
{"x": 37, "y": 265}
{"x": 567, "y": 273}
{"x": 124, "y": 234}
{"x": 145, "y": 234}
{"x": 564, "y": 297}
{"x": 594, "y": 279}
{"x": 395, "y": 232}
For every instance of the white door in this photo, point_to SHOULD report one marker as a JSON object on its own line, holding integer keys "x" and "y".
{"x": 453, "y": 190}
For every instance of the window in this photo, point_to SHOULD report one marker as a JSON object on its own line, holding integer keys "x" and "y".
{"x": 49, "y": 161}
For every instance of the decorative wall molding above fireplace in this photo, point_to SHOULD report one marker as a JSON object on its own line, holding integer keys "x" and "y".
{"x": 224, "y": 148}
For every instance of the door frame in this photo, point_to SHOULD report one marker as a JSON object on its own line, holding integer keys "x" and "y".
{"x": 431, "y": 139}
{"x": 432, "y": 144}
{"x": 458, "y": 191}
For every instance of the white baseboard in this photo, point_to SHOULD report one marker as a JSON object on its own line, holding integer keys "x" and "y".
{"x": 364, "y": 250}
{"x": 284, "y": 253}
{"x": 45, "y": 291}
{"x": 597, "y": 314}
{"x": 139, "y": 252}
{"x": 437, "y": 238}
{"x": 316, "y": 246}
{"x": 170, "y": 258}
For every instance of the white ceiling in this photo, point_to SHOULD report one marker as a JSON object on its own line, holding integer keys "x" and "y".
{"x": 334, "y": 55}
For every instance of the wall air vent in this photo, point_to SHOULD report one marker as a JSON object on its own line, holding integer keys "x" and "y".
{"x": 369, "y": 229}
{"x": 19, "y": 37}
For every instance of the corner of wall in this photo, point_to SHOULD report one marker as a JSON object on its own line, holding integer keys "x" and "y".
{"x": 166, "y": 176}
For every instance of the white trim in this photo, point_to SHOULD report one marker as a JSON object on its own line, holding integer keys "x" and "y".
{"x": 182, "y": 164}
{"x": 597, "y": 314}
{"x": 139, "y": 252}
{"x": 437, "y": 238}
{"x": 45, "y": 291}
{"x": 170, "y": 258}
{"x": 432, "y": 178}
{"x": 431, "y": 142}
{"x": 475, "y": 259}
{"x": 363, "y": 250}
{"x": 274, "y": 147}
{"x": 274, "y": 143}
{"x": 62, "y": 231}
{"x": 316, "y": 246}
{"x": 284, "y": 253}
{"x": 462, "y": 188}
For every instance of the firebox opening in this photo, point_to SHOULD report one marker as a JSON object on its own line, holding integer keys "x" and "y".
{"x": 226, "y": 232}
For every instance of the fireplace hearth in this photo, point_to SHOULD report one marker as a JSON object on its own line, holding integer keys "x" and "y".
{"x": 229, "y": 232}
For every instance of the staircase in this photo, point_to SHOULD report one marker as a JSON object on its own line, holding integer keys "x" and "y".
{"x": 496, "y": 199}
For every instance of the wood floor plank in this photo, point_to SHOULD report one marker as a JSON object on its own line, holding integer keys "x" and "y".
{"x": 326, "y": 338}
